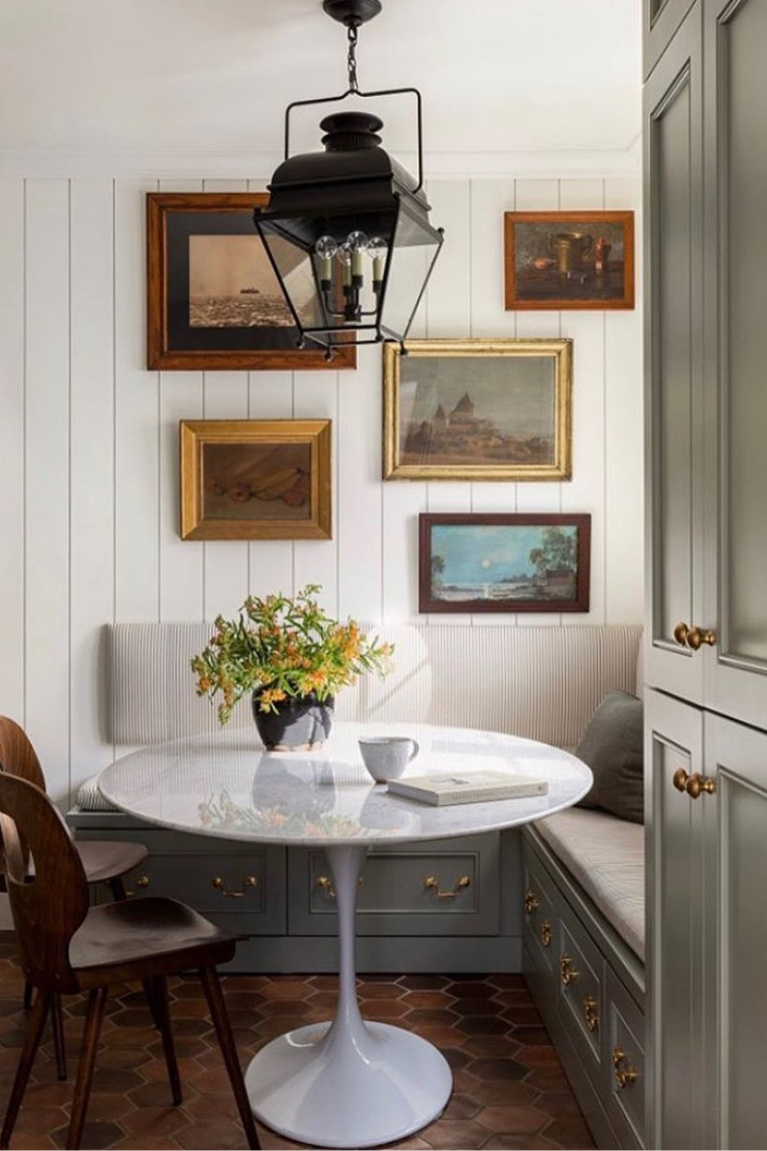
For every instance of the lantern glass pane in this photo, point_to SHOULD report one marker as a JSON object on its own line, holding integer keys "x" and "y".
{"x": 294, "y": 265}
{"x": 415, "y": 248}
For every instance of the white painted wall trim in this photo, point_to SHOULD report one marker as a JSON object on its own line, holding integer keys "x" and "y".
{"x": 188, "y": 163}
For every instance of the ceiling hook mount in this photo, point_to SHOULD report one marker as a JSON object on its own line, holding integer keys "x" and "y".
{"x": 352, "y": 13}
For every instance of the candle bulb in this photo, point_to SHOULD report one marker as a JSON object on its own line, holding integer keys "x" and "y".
{"x": 326, "y": 248}
{"x": 377, "y": 249}
{"x": 358, "y": 245}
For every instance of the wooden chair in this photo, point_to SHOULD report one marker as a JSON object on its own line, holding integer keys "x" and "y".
{"x": 104, "y": 861}
{"x": 68, "y": 947}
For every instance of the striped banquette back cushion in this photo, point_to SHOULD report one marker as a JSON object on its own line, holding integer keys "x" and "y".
{"x": 538, "y": 682}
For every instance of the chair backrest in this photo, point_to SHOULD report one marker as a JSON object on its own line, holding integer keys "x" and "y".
{"x": 17, "y": 755}
{"x": 46, "y": 883}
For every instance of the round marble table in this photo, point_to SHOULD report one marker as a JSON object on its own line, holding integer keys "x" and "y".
{"x": 347, "y": 1083}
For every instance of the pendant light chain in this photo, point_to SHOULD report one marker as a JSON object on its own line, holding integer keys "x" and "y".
{"x": 351, "y": 58}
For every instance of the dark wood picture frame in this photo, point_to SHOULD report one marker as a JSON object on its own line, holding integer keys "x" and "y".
{"x": 173, "y": 343}
{"x": 534, "y": 584}
{"x": 590, "y": 282}
{"x": 305, "y": 447}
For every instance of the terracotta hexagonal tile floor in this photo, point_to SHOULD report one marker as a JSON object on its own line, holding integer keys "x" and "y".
{"x": 509, "y": 1090}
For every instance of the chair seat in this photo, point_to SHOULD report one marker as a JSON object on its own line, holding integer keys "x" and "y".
{"x": 144, "y": 933}
{"x": 105, "y": 859}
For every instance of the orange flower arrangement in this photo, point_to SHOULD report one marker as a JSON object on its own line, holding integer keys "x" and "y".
{"x": 284, "y": 647}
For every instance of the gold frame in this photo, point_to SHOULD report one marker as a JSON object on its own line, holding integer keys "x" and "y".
{"x": 194, "y": 434}
{"x": 559, "y": 350}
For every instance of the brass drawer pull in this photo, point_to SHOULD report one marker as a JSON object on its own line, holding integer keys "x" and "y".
{"x": 546, "y": 933}
{"x": 325, "y": 884}
{"x": 531, "y": 902}
{"x": 591, "y": 1011}
{"x": 141, "y": 881}
{"x": 249, "y": 881}
{"x": 697, "y": 784}
{"x": 567, "y": 971}
{"x": 431, "y": 883}
{"x": 625, "y": 1076}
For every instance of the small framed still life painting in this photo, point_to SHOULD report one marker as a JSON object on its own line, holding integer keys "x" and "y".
{"x": 214, "y": 301}
{"x": 569, "y": 260}
{"x": 496, "y": 562}
{"x": 478, "y": 410}
{"x": 255, "y": 480}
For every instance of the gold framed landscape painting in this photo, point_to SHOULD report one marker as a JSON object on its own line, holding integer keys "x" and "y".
{"x": 255, "y": 479}
{"x": 478, "y": 410}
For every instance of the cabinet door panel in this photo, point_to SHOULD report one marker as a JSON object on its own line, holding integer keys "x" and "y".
{"x": 674, "y": 861}
{"x": 736, "y": 758}
{"x": 736, "y": 237}
{"x": 673, "y": 104}
{"x": 660, "y": 19}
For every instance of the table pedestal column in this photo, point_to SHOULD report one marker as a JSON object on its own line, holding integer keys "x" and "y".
{"x": 348, "y": 1083}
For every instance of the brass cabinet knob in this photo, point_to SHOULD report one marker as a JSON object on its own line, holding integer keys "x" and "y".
{"x": 680, "y": 779}
{"x": 625, "y": 1076}
{"x": 698, "y": 784}
{"x": 591, "y": 1011}
{"x": 531, "y": 902}
{"x": 567, "y": 971}
{"x": 546, "y": 934}
{"x": 249, "y": 881}
{"x": 141, "y": 881}
{"x": 693, "y": 637}
{"x": 431, "y": 883}
{"x": 681, "y": 632}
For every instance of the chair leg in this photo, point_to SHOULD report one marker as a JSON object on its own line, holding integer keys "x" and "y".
{"x": 157, "y": 994}
{"x": 117, "y": 887}
{"x": 212, "y": 988}
{"x": 27, "y": 995}
{"x": 59, "y": 1048}
{"x": 29, "y": 1050}
{"x": 97, "y": 1001}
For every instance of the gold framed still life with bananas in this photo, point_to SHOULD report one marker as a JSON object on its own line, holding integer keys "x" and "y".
{"x": 255, "y": 479}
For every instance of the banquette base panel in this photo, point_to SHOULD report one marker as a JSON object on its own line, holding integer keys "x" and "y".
{"x": 280, "y": 901}
{"x": 589, "y": 988}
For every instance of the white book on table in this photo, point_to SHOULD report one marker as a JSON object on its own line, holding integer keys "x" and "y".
{"x": 466, "y": 787}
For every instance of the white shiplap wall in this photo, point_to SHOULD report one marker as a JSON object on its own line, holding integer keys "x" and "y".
{"x": 88, "y": 445}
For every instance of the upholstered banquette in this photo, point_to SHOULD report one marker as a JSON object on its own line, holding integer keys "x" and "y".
{"x": 563, "y": 900}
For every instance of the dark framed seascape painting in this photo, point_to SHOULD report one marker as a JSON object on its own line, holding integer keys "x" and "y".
{"x": 569, "y": 260}
{"x": 496, "y": 562}
{"x": 478, "y": 410}
{"x": 214, "y": 302}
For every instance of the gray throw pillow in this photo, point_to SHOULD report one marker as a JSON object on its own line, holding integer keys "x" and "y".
{"x": 612, "y": 746}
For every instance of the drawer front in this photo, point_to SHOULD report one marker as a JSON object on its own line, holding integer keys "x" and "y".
{"x": 243, "y": 886}
{"x": 581, "y": 988}
{"x": 540, "y": 913}
{"x": 450, "y": 887}
{"x": 626, "y": 1064}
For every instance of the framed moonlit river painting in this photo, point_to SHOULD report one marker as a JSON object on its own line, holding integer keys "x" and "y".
{"x": 496, "y": 562}
{"x": 214, "y": 301}
{"x": 478, "y": 410}
{"x": 255, "y": 480}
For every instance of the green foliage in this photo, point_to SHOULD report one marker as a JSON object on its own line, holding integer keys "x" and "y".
{"x": 557, "y": 551}
{"x": 287, "y": 647}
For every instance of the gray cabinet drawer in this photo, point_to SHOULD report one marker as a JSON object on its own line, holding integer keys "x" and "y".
{"x": 540, "y": 914}
{"x": 241, "y": 885}
{"x": 581, "y": 988}
{"x": 461, "y": 898}
{"x": 625, "y": 1066}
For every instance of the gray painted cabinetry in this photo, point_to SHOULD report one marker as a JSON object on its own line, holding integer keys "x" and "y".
{"x": 706, "y": 751}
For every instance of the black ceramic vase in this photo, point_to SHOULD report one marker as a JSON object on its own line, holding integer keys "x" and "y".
{"x": 298, "y": 724}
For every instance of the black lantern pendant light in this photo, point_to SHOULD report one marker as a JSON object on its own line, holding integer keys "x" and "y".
{"x": 347, "y": 230}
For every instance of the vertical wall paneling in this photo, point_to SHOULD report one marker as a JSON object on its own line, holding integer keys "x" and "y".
{"x": 315, "y": 396}
{"x": 584, "y": 493}
{"x": 137, "y": 413}
{"x": 92, "y": 461}
{"x": 181, "y": 570}
{"x": 12, "y": 488}
{"x": 225, "y": 397}
{"x": 48, "y": 476}
{"x": 622, "y": 510}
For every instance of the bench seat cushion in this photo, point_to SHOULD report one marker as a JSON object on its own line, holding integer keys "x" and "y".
{"x": 605, "y": 856}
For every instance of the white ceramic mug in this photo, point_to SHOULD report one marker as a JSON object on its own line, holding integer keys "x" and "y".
{"x": 387, "y": 756}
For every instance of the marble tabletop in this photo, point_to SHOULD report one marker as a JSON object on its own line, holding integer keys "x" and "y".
{"x": 227, "y": 785}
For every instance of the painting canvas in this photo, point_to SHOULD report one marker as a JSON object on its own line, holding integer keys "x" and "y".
{"x": 214, "y": 300}
{"x": 498, "y": 562}
{"x": 477, "y": 409}
{"x": 255, "y": 479}
{"x": 562, "y": 260}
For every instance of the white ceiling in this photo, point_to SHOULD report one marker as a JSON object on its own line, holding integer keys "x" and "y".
{"x": 496, "y": 75}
